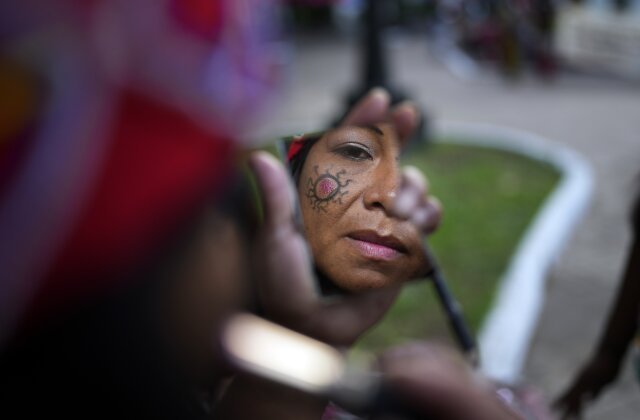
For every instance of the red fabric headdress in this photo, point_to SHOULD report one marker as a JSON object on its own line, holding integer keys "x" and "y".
{"x": 295, "y": 146}
{"x": 104, "y": 199}
{"x": 159, "y": 167}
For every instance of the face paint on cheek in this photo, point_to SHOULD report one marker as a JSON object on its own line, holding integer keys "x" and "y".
{"x": 326, "y": 188}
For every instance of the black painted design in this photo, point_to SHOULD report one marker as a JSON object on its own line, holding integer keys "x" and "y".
{"x": 326, "y": 188}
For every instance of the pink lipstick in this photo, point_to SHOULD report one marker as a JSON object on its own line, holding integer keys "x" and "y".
{"x": 377, "y": 247}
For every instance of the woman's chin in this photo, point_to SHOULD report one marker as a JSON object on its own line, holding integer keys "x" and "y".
{"x": 365, "y": 279}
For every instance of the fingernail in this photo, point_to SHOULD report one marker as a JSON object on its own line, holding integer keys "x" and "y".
{"x": 379, "y": 93}
{"x": 414, "y": 174}
{"x": 407, "y": 106}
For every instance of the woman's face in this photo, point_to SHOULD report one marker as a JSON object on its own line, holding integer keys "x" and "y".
{"x": 347, "y": 187}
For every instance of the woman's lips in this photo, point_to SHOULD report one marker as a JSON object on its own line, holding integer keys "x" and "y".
{"x": 377, "y": 247}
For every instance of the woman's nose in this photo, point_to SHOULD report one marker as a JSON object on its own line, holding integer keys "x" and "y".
{"x": 381, "y": 192}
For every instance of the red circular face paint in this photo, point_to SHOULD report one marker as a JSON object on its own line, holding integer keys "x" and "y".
{"x": 326, "y": 187}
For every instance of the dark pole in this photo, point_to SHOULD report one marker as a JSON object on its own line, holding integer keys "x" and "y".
{"x": 374, "y": 63}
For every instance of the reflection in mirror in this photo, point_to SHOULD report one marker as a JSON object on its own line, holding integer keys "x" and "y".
{"x": 346, "y": 179}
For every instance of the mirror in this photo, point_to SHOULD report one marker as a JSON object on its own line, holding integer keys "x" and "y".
{"x": 346, "y": 179}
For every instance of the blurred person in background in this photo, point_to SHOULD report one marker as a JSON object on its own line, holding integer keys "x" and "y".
{"x": 125, "y": 238}
{"x": 603, "y": 368}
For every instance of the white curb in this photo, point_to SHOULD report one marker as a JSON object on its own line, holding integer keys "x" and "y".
{"x": 507, "y": 331}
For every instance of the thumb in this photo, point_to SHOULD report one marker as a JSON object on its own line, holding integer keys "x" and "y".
{"x": 371, "y": 109}
{"x": 276, "y": 189}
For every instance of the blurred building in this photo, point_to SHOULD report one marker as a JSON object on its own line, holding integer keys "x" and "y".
{"x": 601, "y": 36}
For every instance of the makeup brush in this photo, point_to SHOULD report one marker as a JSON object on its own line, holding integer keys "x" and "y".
{"x": 452, "y": 310}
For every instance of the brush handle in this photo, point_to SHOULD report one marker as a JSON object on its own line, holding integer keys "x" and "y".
{"x": 453, "y": 311}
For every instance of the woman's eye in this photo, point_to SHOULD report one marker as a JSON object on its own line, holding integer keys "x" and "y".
{"x": 354, "y": 152}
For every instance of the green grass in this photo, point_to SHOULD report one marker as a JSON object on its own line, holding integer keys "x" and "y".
{"x": 489, "y": 198}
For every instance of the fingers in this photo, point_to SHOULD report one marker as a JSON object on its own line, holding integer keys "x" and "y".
{"x": 373, "y": 108}
{"x": 436, "y": 380}
{"x": 405, "y": 118}
{"x": 285, "y": 281}
{"x": 413, "y": 189}
{"x": 275, "y": 189}
{"x": 412, "y": 202}
{"x": 408, "y": 357}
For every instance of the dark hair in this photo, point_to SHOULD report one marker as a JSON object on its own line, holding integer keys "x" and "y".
{"x": 297, "y": 163}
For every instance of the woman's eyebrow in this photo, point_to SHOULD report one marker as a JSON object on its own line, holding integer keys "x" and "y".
{"x": 373, "y": 128}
